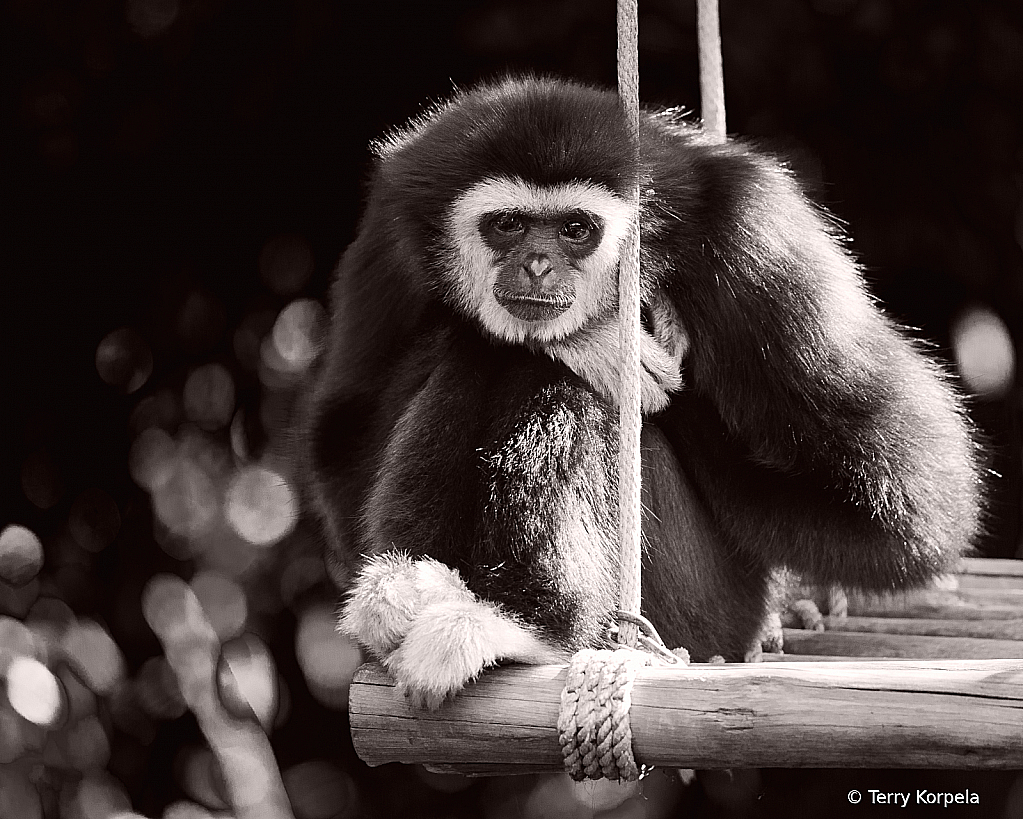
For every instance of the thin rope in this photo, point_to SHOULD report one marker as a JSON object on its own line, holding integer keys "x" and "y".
{"x": 712, "y": 75}
{"x": 629, "y": 418}
{"x": 650, "y": 641}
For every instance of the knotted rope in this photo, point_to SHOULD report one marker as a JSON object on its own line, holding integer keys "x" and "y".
{"x": 593, "y": 724}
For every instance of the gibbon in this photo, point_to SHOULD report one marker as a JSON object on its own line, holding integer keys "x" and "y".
{"x": 461, "y": 430}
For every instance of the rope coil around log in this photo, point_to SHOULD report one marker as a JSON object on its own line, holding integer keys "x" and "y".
{"x": 594, "y": 727}
{"x": 593, "y": 724}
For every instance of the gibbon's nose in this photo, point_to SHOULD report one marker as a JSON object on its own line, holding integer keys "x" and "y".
{"x": 536, "y": 266}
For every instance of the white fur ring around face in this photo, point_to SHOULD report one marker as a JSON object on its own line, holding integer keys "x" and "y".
{"x": 429, "y": 630}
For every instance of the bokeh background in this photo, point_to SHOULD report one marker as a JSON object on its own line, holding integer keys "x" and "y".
{"x": 178, "y": 178}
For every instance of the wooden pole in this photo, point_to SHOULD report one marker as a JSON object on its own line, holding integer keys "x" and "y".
{"x": 990, "y": 629}
{"x": 932, "y": 606}
{"x": 999, "y": 567}
{"x": 984, "y": 589}
{"x": 909, "y": 714}
{"x": 885, "y": 645}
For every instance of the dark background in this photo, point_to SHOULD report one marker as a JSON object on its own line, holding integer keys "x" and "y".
{"x": 136, "y": 166}
{"x": 150, "y": 149}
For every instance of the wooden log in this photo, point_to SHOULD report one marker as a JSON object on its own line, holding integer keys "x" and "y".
{"x": 984, "y": 588}
{"x": 987, "y": 629}
{"x": 935, "y": 610}
{"x": 958, "y": 603}
{"x": 992, "y": 566}
{"x": 899, "y": 646}
{"x": 985, "y": 597}
{"x": 989, "y": 582}
{"x": 950, "y": 714}
{"x": 770, "y": 657}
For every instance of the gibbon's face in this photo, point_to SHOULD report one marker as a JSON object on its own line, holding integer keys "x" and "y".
{"x": 534, "y": 263}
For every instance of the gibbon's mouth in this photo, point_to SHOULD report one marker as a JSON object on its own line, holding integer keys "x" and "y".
{"x": 530, "y": 307}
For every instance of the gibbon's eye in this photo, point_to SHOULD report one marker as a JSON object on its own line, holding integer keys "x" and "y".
{"x": 507, "y": 223}
{"x": 576, "y": 230}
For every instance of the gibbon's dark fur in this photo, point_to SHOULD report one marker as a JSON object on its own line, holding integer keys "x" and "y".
{"x": 809, "y": 433}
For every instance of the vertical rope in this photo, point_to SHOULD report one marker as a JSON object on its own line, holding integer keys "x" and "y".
{"x": 593, "y": 721}
{"x": 712, "y": 76}
{"x": 629, "y": 418}
{"x": 712, "y": 94}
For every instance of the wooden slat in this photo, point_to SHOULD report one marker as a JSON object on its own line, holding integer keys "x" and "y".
{"x": 990, "y": 582}
{"x": 899, "y": 646}
{"x": 949, "y": 714}
{"x": 935, "y": 627}
{"x": 888, "y": 607}
{"x": 992, "y": 566}
{"x": 985, "y": 597}
{"x": 768, "y": 657}
{"x": 940, "y": 603}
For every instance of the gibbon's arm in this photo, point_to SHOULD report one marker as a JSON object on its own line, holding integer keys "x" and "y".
{"x": 486, "y": 533}
{"x": 821, "y": 436}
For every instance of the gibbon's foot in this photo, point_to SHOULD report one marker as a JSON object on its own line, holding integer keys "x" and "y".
{"x": 805, "y": 614}
{"x": 772, "y": 637}
{"x": 429, "y": 630}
